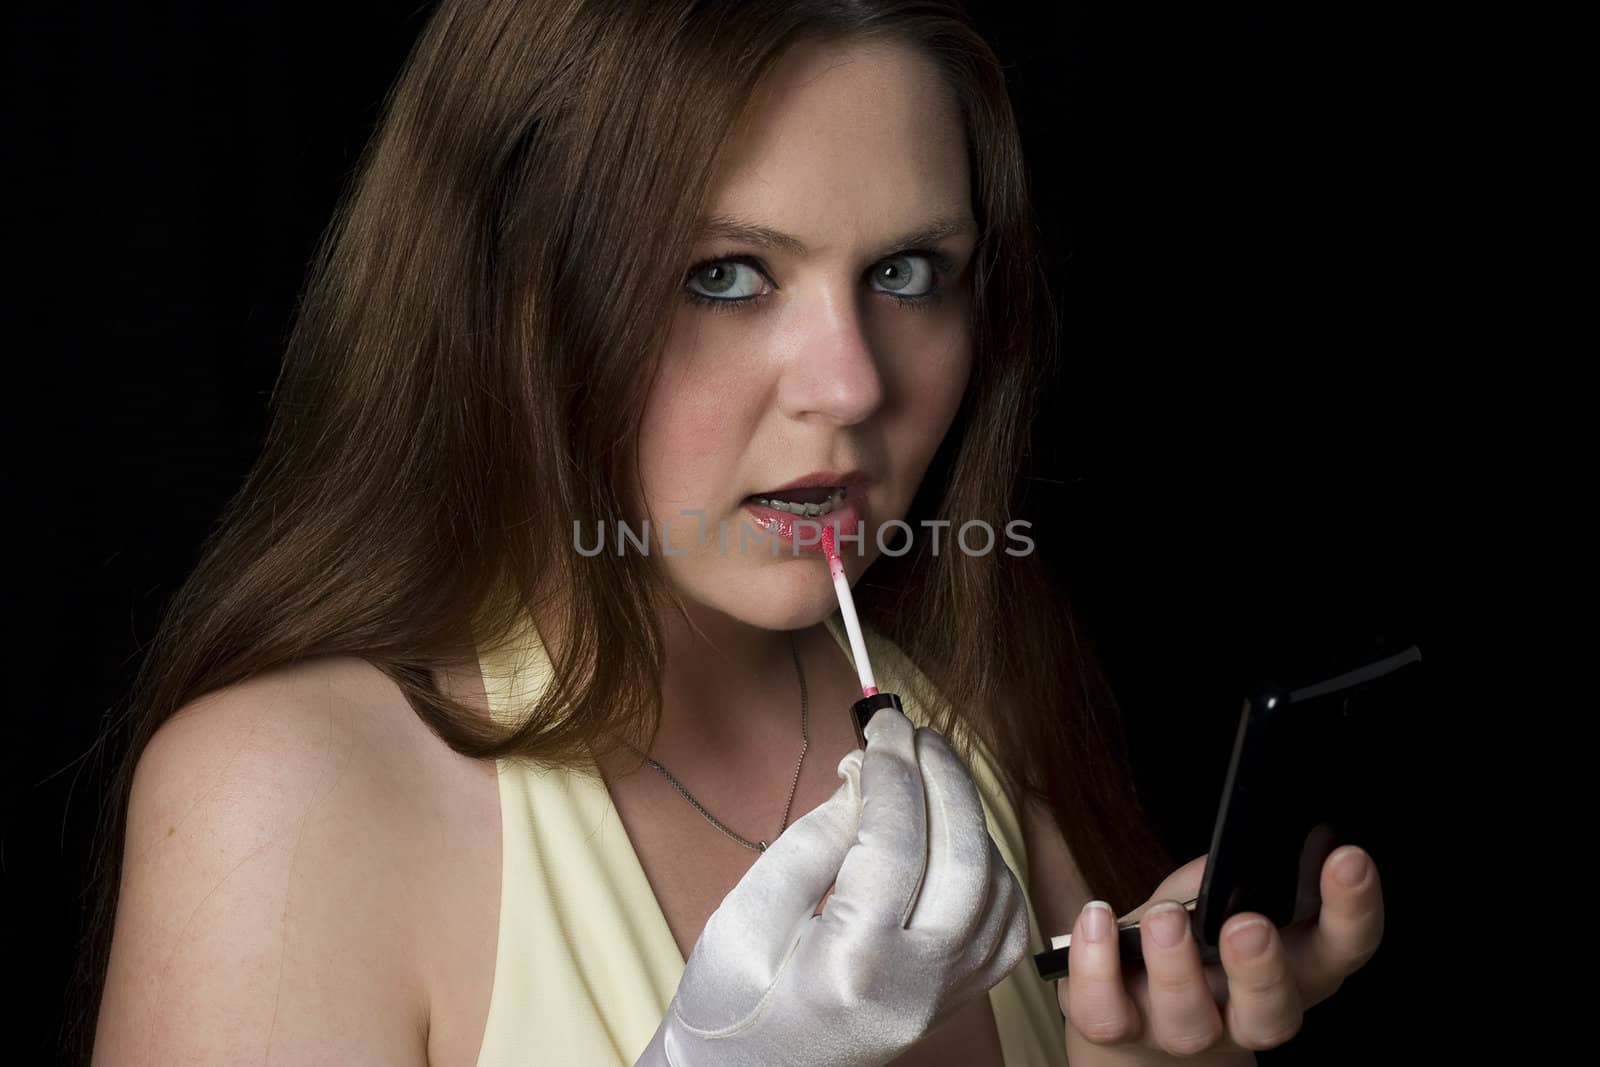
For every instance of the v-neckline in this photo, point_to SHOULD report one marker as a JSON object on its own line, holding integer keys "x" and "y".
{"x": 625, "y": 855}
{"x": 658, "y": 960}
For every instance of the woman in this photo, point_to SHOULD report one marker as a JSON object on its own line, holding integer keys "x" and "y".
{"x": 680, "y": 266}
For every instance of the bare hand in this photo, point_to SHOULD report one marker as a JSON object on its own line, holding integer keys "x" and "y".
{"x": 1255, "y": 1000}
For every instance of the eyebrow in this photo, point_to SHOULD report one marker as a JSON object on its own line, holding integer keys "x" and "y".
{"x": 733, "y": 228}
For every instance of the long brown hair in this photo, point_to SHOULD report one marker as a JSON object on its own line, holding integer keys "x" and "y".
{"x": 453, "y": 378}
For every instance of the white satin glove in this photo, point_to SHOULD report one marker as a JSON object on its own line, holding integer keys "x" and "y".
{"x": 925, "y": 915}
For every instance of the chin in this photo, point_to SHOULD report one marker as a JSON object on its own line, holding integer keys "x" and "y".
{"x": 778, "y": 618}
{"x": 785, "y": 594}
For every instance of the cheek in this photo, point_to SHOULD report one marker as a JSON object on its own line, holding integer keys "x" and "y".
{"x": 678, "y": 440}
{"x": 934, "y": 387}
{"x": 694, "y": 425}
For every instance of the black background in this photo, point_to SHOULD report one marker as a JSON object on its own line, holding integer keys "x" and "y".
{"x": 1231, "y": 476}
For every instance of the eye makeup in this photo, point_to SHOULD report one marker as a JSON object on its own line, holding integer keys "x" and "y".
{"x": 939, "y": 263}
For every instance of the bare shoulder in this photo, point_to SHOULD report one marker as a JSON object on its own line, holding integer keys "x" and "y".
{"x": 264, "y": 909}
{"x": 1056, "y": 886}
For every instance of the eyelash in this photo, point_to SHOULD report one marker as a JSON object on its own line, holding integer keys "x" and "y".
{"x": 924, "y": 301}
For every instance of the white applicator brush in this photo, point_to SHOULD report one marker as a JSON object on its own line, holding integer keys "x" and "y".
{"x": 871, "y": 700}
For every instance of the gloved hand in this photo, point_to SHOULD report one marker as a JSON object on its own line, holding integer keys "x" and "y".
{"x": 924, "y": 916}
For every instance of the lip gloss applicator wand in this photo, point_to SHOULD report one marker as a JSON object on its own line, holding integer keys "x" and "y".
{"x": 871, "y": 699}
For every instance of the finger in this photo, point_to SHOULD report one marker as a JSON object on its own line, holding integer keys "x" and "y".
{"x": 782, "y": 887}
{"x": 1001, "y": 932}
{"x": 1348, "y": 929}
{"x": 850, "y": 771}
{"x": 1181, "y": 885}
{"x": 752, "y": 934}
{"x": 1183, "y": 1016}
{"x": 1264, "y": 1009}
{"x": 882, "y": 872}
{"x": 961, "y": 856}
{"x": 1092, "y": 997}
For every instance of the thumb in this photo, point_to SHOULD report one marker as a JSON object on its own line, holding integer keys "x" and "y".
{"x": 781, "y": 889}
{"x": 1181, "y": 885}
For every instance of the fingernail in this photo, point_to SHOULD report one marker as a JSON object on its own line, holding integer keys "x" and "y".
{"x": 1350, "y": 868}
{"x": 1249, "y": 939}
{"x": 1167, "y": 923}
{"x": 1098, "y": 920}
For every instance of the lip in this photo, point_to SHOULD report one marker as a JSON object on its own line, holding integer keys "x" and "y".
{"x": 783, "y": 526}
{"x": 852, "y": 481}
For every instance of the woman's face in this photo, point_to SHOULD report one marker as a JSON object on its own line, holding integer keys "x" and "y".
{"x": 831, "y": 352}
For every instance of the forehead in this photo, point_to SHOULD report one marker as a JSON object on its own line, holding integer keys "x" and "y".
{"x": 844, "y": 138}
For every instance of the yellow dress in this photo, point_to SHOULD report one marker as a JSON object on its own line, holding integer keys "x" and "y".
{"x": 586, "y": 965}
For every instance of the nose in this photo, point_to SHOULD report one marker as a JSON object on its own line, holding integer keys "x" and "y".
{"x": 833, "y": 373}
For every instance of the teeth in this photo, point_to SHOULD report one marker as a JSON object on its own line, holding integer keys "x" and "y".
{"x": 808, "y": 510}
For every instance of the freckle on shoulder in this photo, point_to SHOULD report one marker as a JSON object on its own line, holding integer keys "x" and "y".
{"x": 258, "y": 814}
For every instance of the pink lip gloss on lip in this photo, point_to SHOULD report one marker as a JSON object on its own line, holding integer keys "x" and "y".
{"x": 871, "y": 699}
{"x": 783, "y": 525}
{"x": 844, "y": 491}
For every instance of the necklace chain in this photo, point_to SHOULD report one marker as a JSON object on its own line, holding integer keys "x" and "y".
{"x": 805, "y": 741}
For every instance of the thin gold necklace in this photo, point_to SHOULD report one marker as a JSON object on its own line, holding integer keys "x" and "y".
{"x": 805, "y": 740}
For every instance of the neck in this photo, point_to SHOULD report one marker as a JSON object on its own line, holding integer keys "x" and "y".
{"x": 728, "y": 686}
